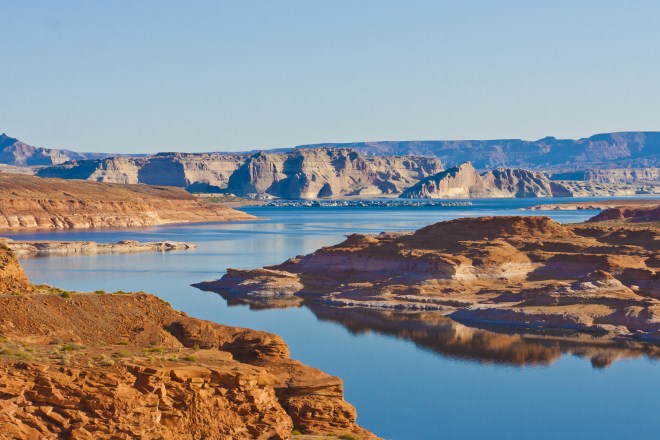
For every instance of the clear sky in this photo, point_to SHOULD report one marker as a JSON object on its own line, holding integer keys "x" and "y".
{"x": 147, "y": 76}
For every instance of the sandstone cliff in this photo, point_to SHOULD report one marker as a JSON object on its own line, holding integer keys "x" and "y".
{"x": 295, "y": 174}
{"x": 124, "y": 366}
{"x": 524, "y": 271}
{"x": 28, "y": 202}
{"x": 648, "y": 175}
{"x": 465, "y": 182}
{"x": 195, "y": 171}
{"x": 328, "y": 172}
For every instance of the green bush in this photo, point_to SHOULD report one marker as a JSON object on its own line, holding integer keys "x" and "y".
{"x": 65, "y": 294}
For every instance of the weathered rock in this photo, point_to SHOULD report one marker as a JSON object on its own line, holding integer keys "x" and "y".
{"x": 12, "y": 276}
{"x": 40, "y": 248}
{"x": 631, "y": 215}
{"x": 128, "y": 366}
{"x": 465, "y": 182}
{"x": 649, "y": 175}
{"x": 28, "y": 202}
{"x": 315, "y": 173}
{"x": 202, "y": 172}
{"x": 523, "y": 271}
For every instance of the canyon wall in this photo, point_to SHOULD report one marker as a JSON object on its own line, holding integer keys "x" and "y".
{"x": 295, "y": 174}
{"x": 328, "y": 172}
{"x": 465, "y": 182}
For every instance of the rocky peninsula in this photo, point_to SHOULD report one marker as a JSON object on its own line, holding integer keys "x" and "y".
{"x": 120, "y": 366}
{"x": 526, "y": 272}
{"x": 28, "y": 202}
{"x": 42, "y": 248}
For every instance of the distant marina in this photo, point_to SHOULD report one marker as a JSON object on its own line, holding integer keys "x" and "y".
{"x": 390, "y": 203}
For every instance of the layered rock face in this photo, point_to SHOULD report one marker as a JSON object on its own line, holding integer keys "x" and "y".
{"x": 465, "y": 182}
{"x": 607, "y": 150}
{"x": 195, "y": 171}
{"x": 524, "y": 271}
{"x": 327, "y": 172}
{"x": 295, "y": 174}
{"x": 128, "y": 366}
{"x": 16, "y": 153}
{"x": 12, "y": 276}
{"x": 28, "y": 202}
{"x": 125, "y": 366}
{"x": 623, "y": 175}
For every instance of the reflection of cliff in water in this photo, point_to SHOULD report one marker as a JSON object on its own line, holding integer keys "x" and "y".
{"x": 435, "y": 332}
{"x": 447, "y": 337}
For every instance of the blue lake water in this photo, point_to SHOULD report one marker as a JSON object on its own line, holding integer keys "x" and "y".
{"x": 402, "y": 390}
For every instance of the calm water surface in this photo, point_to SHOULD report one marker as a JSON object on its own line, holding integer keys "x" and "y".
{"x": 402, "y": 390}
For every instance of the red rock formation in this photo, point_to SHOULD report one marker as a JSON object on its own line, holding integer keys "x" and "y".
{"x": 127, "y": 366}
{"x": 28, "y": 202}
{"x": 525, "y": 271}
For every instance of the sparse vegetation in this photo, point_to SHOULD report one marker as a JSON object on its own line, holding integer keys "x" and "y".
{"x": 154, "y": 349}
{"x": 190, "y": 358}
{"x": 296, "y": 432}
{"x": 121, "y": 354}
{"x": 104, "y": 361}
{"x": 65, "y": 294}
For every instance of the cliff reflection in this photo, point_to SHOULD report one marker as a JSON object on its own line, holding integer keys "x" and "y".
{"x": 442, "y": 335}
{"x": 432, "y": 331}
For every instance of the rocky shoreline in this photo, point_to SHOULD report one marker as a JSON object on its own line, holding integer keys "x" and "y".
{"x": 126, "y": 365}
{"x": 529, "y": 272}
{"x": 24, "y": 249}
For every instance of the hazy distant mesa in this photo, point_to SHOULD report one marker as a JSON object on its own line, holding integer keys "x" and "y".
{"x": 615, "y": 164}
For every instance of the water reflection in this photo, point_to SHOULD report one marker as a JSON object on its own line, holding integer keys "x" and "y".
{"x": 442, "y": 335}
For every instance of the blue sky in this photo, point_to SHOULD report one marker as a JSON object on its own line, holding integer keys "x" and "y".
{"x": 147, "y": 76}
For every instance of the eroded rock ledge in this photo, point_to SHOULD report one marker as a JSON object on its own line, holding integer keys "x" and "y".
{"x": 28, "y": 202}
{"x": 522, "y": 271}
{"x": 125, "y": 366}
{"x": 40, "y": 248}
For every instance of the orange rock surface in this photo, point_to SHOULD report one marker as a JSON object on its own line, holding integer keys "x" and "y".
{"x": 522, "y": 271}
{"x": 28, "y": 202}
{"x": 125, "y": 366}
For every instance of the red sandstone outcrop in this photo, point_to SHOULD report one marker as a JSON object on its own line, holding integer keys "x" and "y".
{"x": 125, "y": 366}
{"x": 28, "y": 202}
{"x": 630, "y": 215}
{"x": 524, "y": 271}
{"x": 12, "y": 276}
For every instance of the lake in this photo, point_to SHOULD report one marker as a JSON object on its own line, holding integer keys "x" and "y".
{"x": 404, "y": 386}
